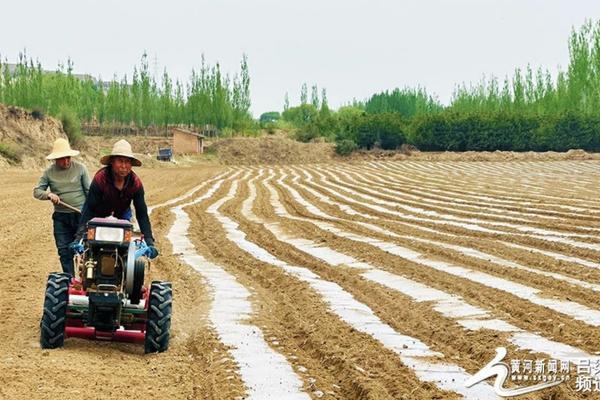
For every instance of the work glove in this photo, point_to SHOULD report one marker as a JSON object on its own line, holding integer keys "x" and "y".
{"x": 152, "y": 252}
{"x": 76, "y": 246}
{"x": 127, "y": 214}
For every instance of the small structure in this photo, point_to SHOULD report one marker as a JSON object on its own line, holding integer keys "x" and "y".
{"x": 187, "y": 142}
{"x": 209, "y": 131}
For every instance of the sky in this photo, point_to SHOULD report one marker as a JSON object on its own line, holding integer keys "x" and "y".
{"x": 352, "y": 48}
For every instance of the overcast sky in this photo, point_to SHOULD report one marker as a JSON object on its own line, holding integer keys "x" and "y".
{"x": 353, "y": 48}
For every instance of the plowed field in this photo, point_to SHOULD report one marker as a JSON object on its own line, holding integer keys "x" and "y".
{"x": 374, "y": 280}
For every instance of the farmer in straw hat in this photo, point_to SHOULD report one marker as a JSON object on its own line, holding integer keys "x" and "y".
{"x": 113, "y": 189}
{"x": 69, "y": 183}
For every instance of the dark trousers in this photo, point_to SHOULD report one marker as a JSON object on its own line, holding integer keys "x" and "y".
{"x": 65, "y": 228}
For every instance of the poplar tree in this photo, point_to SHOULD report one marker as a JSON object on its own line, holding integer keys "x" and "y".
{"x": 304, "y": 94}
{"x": 314, "y": 97}
{"x": 286, "y": 102}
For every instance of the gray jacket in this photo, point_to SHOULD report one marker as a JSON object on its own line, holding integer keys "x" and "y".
{"x": 71, "y": 185}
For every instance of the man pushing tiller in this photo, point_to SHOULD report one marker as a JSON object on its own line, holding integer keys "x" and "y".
{"x": 112, "y": 191}
{"x": 107, "y": 298}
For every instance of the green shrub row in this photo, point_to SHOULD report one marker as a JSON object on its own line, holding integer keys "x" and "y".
{"x": 510, "y": 132}
{"x": 450, "y": 131}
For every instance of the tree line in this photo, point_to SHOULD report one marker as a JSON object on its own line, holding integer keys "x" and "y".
{"x": 208, "y": 97}
{"x": 530, "y": 110}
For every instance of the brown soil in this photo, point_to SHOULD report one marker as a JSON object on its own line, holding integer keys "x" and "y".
{"x": 26, "y": 135}
{"x": 271, "y": 150}
{"x": 330, "y": 357}
{"x": 412, "y": 154}
{"x": 196, "y": 365}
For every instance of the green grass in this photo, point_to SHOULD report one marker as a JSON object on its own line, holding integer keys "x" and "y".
{"x": 71, "y": 124}
{"x": 345, "y": 147}
{"x": 10, "y": 153}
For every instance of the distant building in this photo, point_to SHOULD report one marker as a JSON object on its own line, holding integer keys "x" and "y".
{"x": 187, "y": 142}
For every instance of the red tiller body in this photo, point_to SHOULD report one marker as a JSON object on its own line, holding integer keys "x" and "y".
{"x": 119, "y": 335}
{"x": 134, "y": 332}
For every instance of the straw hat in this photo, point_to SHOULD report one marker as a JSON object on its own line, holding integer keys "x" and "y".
{"x": 61, "y": 148}
{"x": 121, "y": 148}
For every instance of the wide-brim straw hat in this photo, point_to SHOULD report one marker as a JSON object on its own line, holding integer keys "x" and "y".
{"x": 121, "y": 148}
{"x": 61, "y": 148}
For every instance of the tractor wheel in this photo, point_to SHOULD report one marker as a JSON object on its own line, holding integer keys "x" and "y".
{"x": 139, "y": 268}
{"x": 52, "y": 326}
{"x": 158, "y": 323}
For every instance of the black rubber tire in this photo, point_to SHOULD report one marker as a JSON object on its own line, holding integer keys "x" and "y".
{"x": 158, "y": 323}
{"x": 52, "y": 325}
{"x": 139, "y": 269}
